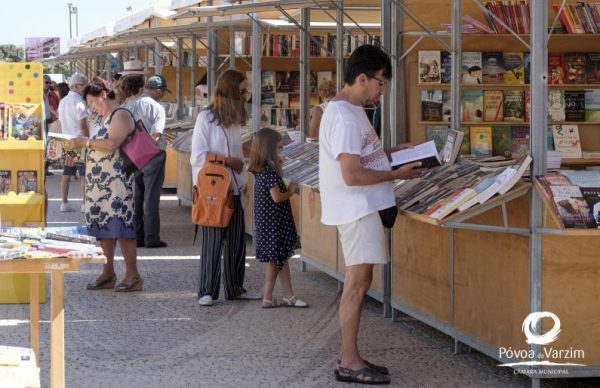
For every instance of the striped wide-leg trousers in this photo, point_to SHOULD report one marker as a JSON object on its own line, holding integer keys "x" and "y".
{"x": 234, "y": 256}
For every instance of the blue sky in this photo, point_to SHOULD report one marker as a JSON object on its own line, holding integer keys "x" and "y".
{"x": 51, "y": 18}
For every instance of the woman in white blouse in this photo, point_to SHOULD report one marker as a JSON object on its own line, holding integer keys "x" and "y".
{"x": 218, "y": 130}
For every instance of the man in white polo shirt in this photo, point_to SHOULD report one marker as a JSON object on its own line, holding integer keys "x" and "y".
{"x": 72, "y": 113}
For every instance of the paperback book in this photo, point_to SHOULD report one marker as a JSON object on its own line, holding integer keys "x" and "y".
{"x": 471, "y": 67}
{"x": 472, "y": 105}
{"x": 556, "y": 105}
{"x": 431, "y": 105}
{"x": 556, "y": 69}
{"x": 514, "y": 105}
{"x": 592, "y": 105}
{"x": 429, "y": 66}
{"x": 438, "y": 134}
{"x": 26, "y": 181}
{"x": 493, "y": 105}
{"x": 567, "y": 141}
{"x": 574, "y": 105}
{"x": 493, "y": 68}
{"x": 5, "y": 181}
{"x": 519, "y": 141}
{"x": 446, "y": 67}
{"x": 514, "y": 69}
{"x": 481, "y": 141}
{"x": 501, "y": 141}
{"x": 575, "y": 68}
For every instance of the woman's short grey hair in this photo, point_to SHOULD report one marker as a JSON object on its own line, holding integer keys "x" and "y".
{"x": 77, "y": 78}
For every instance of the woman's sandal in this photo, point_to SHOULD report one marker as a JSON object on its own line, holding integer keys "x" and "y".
{"x": 377, "y": 368}
{"x": 103, "y": 284}
{"x": 136, "y": 285}
{"x": 365, "y": 375}
{"x": 269, "y": 304}
{"x": 294, "y": 301}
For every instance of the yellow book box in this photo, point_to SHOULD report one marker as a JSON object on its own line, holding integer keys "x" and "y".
{"x": 22, "y": 196}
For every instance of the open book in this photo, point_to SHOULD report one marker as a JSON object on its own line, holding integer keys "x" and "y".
{"x": 451, "y": 148}
{"x": 426, "y": 153}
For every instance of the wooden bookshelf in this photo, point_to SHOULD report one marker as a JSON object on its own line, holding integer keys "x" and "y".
{"x": 580, "y": 162}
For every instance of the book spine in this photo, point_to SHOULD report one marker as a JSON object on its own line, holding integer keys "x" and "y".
{"x": 595, "y": 16}
{"x": 477, "y": 24}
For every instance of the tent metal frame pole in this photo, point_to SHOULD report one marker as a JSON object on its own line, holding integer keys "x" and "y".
{"x": 256, "y": 72}
{"x": 193, "y": 71}
{"x": 179, "y": 79}
{"x": 304, "y": 72}
{"x": 339, "y": 46}
{"x": 232, "y": 54}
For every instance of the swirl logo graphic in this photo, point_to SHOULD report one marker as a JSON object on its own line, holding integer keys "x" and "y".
{"x": 529, "y": 328}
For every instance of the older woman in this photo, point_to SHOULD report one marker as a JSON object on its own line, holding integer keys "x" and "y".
{"x": 218, "y": 130}
{"x": 327, "y": 90}
{"x": 109, "y": 190}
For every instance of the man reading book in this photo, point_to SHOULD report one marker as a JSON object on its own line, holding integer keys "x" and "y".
{"x": 356, "y": 183}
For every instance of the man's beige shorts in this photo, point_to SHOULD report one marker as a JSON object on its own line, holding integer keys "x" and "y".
{"x": 363, "y": 241}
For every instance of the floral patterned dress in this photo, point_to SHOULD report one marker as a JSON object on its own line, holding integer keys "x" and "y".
{"x": 109, "y": 211}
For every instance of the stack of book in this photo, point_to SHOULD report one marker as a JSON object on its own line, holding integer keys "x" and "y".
{"x": 301, "y": 163}
{"x": 581, "y": 17}
{"x": 574, "y": 196}
{"x": 18, "y": 367}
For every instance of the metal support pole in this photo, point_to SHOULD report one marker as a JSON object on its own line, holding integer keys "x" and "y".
{"x": 232, "y": 46}
{"x": 212, "y": 61}
{"x": 157, "y": 59}
{"x": 397, "y": 87}
{"x": 456, "y": 63}
{"x": 538, "y": 126}
{"x": 339, "y": 45}
{"x": 386, "y": 41}
{"x": 256, "y": 72}
{"x": 193, "y": 70}
{"x": 304, "y": 72}
{"x": 146, "y": 59}
{"x": 179, "y": 79}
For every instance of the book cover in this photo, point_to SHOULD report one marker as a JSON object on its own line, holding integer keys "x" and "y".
{"x": 451, "y": 146}
{"x": 574, "y": 105}
{"x": 324, "y": 75}
{"x": 493, "y": 105}
{"x": 592, "y": 68}
{"x": 527, "y": 94}
{"x": 527, "y": 67}
{"x": 446, "y": 105}
{"x": 282, "y": 100}
{"x": 283, "y": 81}
{"x": 556, "y": 69}
{"x": 26, "y": 181}
{"x": 550, "y": 139}
{"x": 314, "y": 82}
{"x": 26, "y": 121}
{"x": 471, "y": 67}
{"x": 556, "y": 105}
{"x": 575, "y": 68}
{"x": 446, "y": 67}
{"x": 465, "y": 148}
{"x": 592, "y": 198}
{"x": 431, "y": 105}
{"x": 501, "y": 141}
{"x": 481, "y": 141}
{"x": 572, "y": 207}
{"x": 429, "y": 66}
{"x": 4, "y": 181}
{"x": 493, "y": 67}
{"x": 294, "y": 100}
{"x": 267, "y": 88}
{"x": 472, "y": 105}
{"x": 592, "y": 105}
{"x": 265, "y": 115}
{"x": 519, "y": 167}
{"x": 438, "y": 134}
{"x": 519, "y": 141}
{"x": 567, "y": 141}
{"x": 514, "y": 105}
{"x": 514, "y": 68}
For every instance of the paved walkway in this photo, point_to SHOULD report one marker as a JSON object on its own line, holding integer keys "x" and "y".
{"x": 162, "y": 338}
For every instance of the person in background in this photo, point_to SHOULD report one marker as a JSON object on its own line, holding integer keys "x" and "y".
{"x": 72, "y": 113}
{"x": 356, "y": 182}
{"x": 156, "y": 87}
{"x": 275, "y": 233}
{"x": 218, "y": 131}
{"x": 327, "y": 90}
{"x": 109, "y": 210}
{"x": 62, "y": 89}
{"x": 51, "y": 101}
{"x": 149, "y": 180}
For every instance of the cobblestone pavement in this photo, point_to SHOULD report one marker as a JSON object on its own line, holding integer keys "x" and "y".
{"x": 162, "y": 338}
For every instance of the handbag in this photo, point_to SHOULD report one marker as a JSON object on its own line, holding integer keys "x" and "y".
{"x": 388, "y": 216}
{"x": 138, "y": 148}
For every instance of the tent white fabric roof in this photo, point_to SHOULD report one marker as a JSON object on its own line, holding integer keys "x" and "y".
{"x": 136, "y": 18}
{"x": 104, "y": 31}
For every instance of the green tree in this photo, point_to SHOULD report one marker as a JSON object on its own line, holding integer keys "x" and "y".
{"x": 11, "y": 53}
{"x": 57, "y": 68}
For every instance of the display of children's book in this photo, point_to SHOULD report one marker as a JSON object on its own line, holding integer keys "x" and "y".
{"x": 493, "y": 68}
{"x": 514, "y": 68}
{"x": 567, "y": 141}
{"x": 431, "y": 105}
{"x": 429, "y": 67}
{"x": 471, "y": 67}
{"x": 58, "y": 149}
{"x": 21, "y": 121}
{"x": 514, "y": 105}
{"x": 481, "y": 141}
{"x": 4, "y": 181}
{"x": 493, "y": 105}
{"x": 556, "y": 105}
{"x": 575, "y": 64}
{"x": 556, "y": 69}
{"x": 26, "y": 181}
{"x": 592, "y": 105}
{"x": 472, "y": 105}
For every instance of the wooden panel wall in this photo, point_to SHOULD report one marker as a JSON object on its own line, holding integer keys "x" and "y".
{"x": 318, "y": 241}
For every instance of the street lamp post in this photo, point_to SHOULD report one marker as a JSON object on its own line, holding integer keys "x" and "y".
{"x": 73, "y": 10}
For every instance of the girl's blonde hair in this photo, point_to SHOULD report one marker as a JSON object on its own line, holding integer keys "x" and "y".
{"x": 264, "y": 151}
{"x": 228, "y": 105}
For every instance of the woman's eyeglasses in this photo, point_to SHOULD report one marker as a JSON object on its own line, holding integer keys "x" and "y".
{"x": 243, "y": 92}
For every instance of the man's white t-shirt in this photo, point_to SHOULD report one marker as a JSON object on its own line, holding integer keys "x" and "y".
{"x": 345, "y": 129}
{"x": 71, "y": 110}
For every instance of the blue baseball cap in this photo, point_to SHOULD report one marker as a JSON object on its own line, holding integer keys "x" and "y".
{"x": 157, "y": 82}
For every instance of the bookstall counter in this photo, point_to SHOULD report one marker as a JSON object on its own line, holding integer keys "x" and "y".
{"x": 474, "y": 285}
{"x": 56, "y": 267}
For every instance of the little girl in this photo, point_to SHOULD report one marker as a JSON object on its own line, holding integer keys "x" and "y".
{"x": 275, "y": 232}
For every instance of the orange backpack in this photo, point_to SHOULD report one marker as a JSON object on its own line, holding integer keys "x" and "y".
{"x": 212, "y": 200}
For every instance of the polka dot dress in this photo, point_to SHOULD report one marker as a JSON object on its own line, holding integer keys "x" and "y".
{"x": 276, "y": 236}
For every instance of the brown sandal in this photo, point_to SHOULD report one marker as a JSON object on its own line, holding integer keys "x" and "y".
{"x": 103, "y": 284}
{"x": 136, "y": 285}
{"x": 377, "y": 368}
{"x": 365, "y": 375}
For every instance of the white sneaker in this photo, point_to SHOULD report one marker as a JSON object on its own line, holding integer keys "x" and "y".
{"x": 66, "y": 207}
{"x": 206, "y": 300}
{"x": 249, "y": 296}
{"x": 82, "y": 208}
